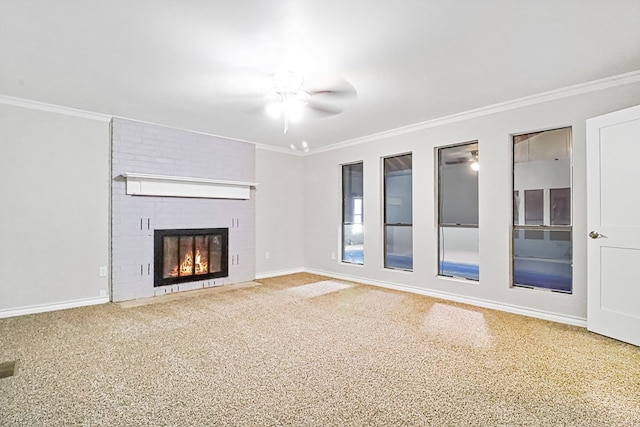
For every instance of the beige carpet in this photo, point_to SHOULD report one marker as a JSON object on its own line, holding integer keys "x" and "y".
{"x": 304, "y": 350}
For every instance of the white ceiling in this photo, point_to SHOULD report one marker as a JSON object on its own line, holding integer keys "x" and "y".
{"x": 203, "y": 65}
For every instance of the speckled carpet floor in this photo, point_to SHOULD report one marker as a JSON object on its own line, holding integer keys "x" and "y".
{"x": 304, "y": 350}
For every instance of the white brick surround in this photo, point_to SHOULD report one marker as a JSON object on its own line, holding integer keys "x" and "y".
{"x": 150, "y": 149}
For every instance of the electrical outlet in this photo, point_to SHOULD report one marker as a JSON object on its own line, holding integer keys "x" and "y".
{"x": 333, "y": 256}
{"x": 103, "y": 271}
{"x": 267, "y": 255}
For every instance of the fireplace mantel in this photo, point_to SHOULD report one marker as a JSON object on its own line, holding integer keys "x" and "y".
{"x": 139, "y": 184}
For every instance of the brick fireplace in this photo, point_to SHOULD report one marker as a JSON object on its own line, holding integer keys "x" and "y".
{"x": 158, "y": 184}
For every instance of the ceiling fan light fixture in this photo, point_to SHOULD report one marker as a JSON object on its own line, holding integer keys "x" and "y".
{"x": 287, "y": 82}
{"x": 288, "y": 98}
{"x": 293, "y": 109}
{"x": 274, "y": 109}
{"x": 475, "y": 161}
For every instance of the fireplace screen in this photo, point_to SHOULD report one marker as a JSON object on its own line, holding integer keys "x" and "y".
{"x": 189, "y": 255}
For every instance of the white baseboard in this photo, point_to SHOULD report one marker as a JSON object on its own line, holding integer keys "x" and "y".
{"x": 52, "y": 307}
{"x": 268, "y": 274}
{"x": 538, "y": 314}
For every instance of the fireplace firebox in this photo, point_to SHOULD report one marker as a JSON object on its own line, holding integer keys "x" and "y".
{"x": 186, "y": 255}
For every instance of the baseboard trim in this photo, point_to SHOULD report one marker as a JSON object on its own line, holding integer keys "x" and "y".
{"x": 42, "y": 308}
{"x": 276, "y": 273}
{"x": 509, "y": 308}
{"x": 538, "y": 314}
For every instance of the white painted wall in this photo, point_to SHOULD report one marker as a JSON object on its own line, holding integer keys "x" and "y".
{"x": 280, "y": 216}
{"x": 322, "y": 204}
{"x": 54, "y": 192}
{"x": 54, "y": 209}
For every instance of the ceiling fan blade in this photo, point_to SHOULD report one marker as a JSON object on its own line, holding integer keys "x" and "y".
{"x": 333, "y": 92}
{"x": 336, "y": 87}
{"x": 323, "y": 109}
{"x": 456, "y": 161}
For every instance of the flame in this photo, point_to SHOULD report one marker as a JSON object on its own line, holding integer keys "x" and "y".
{"x": 187, "y": 266}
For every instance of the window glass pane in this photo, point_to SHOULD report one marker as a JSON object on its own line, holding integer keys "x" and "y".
{"x": 170, "y": 254}
{"x": 353, "y": 244}
{"x": 459, "y": 252}
{"x": 201, "y": 257}
{"x": 533, "y": 207}
{"x": 542, "y": 259}
{"x": 215, "y": 253}
{"x": 398, "y": 188}
{"x": 560, "y": 200}
{"x": 399, "y": 247}
{"x": 352, "y": 214}
{"x": 458, "y": 211}
{"x": 533, "y": 234}
{"x": 357, "y": 210}
{"x": 352, "y": 192}
{"x": 186, "y": 255}
{"x": 458, "y": 184}
{"x": 398, "y": 210}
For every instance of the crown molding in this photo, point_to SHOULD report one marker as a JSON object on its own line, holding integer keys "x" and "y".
{"x": 51, "y": 108}
{"x": 566, "y": 92}
{"x": 74, "y": 112}
{"x": 197, "y": 132}
{"x": 582, "y": 88}
{"x": 282, "y": 150}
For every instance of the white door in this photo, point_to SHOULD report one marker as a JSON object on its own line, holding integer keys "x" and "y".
{"x": 613, "y": 221}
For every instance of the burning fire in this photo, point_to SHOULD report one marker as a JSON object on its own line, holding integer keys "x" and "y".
{"x": 186, "y": 267}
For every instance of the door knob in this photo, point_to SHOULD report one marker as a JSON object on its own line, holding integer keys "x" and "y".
{"x": 595, "y": 235}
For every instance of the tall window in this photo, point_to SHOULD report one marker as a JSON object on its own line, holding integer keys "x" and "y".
{"x": 352, "y": 214}
{"x": 398, "y": 215}
{"x": 458, "y": 211}
{"x": 542, "y": 232}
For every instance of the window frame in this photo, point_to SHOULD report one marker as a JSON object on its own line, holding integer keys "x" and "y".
{"x": 438, "y": 208}
{"x": 522, "y": 229}
{"x": 345, "y": 223}
{"x": 385, "y": 224}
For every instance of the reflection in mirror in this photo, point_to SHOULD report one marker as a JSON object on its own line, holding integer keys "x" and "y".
{"x": 542, "y": 244}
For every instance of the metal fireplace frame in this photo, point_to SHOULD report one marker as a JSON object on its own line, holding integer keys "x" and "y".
{"x": 158, "y": 280}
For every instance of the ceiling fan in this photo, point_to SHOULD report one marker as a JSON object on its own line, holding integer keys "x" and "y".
{"x": 290, "y": 95}
{"x": 470, "y": 157}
